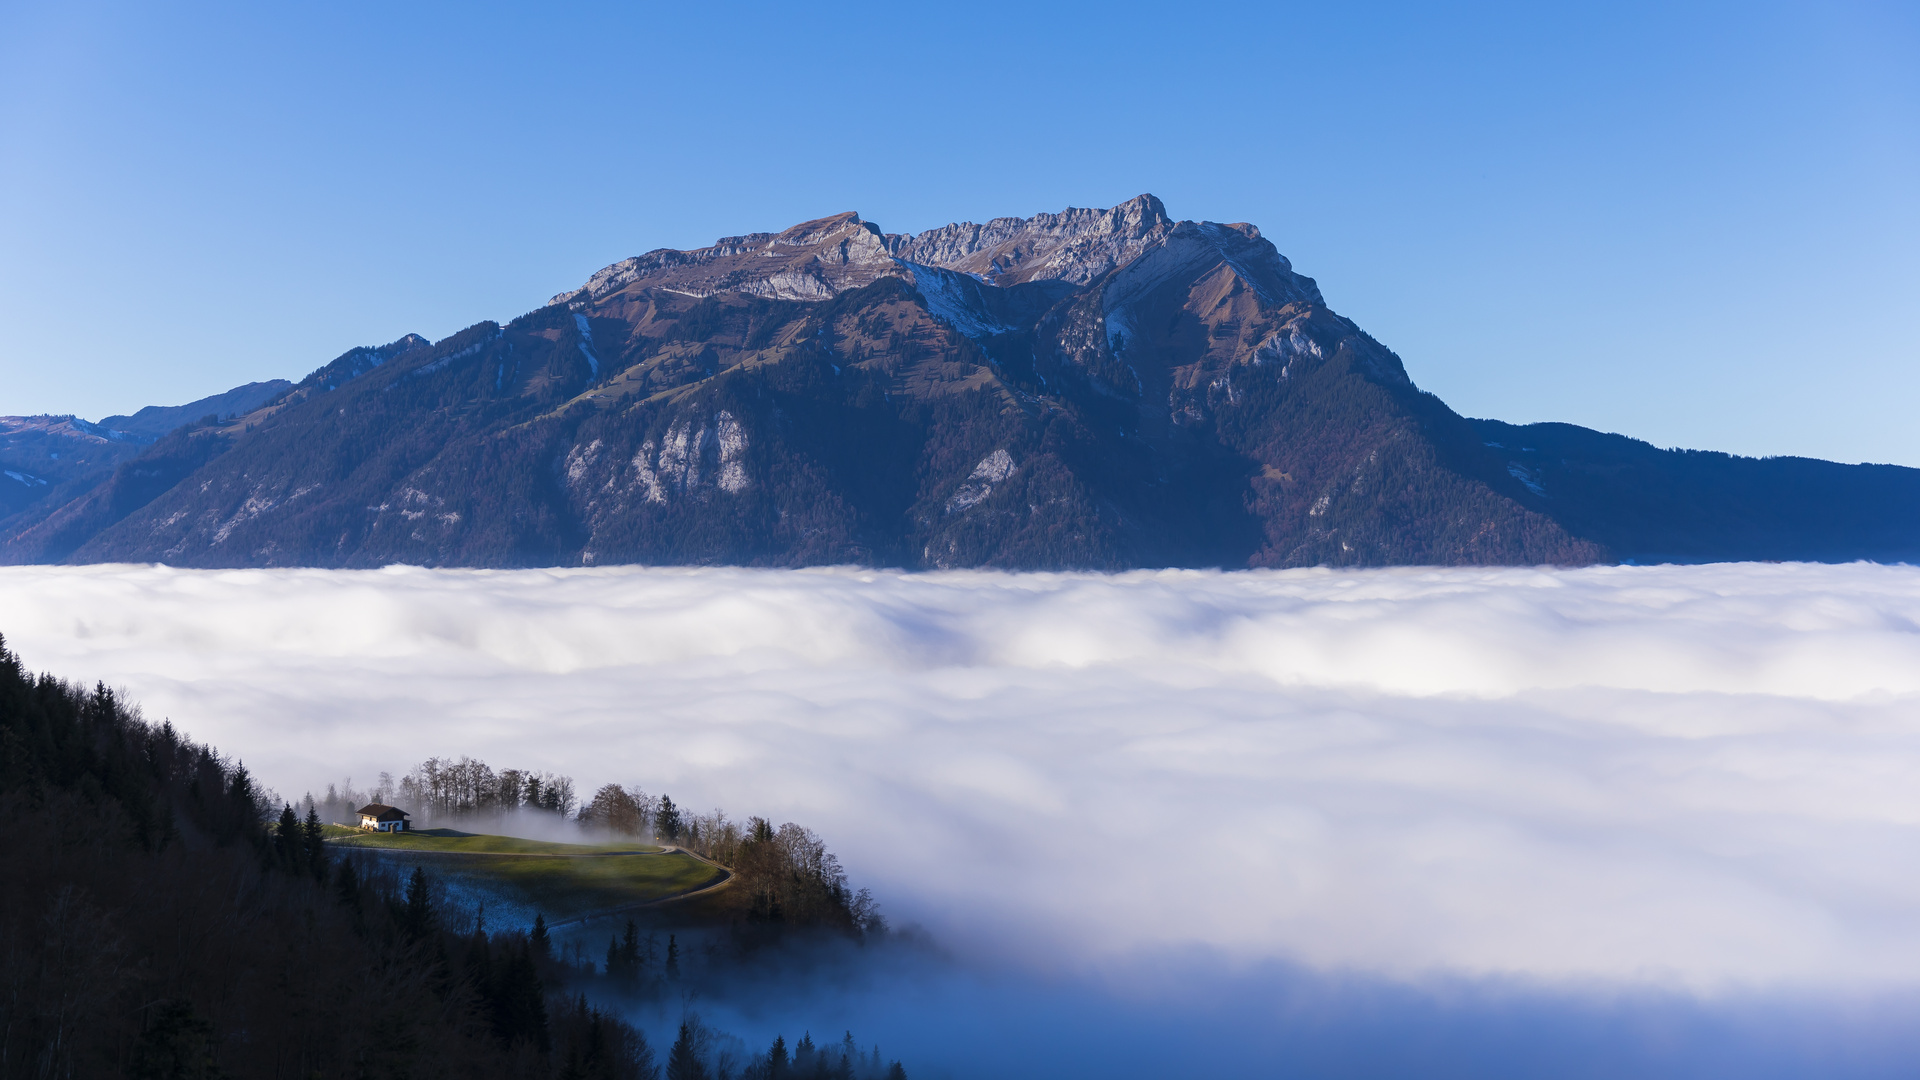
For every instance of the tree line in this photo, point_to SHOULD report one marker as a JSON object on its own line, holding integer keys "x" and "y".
{"x": 161, "y": 918}
{"x": 443, "y": 789}
{"x": 786, "y": 872}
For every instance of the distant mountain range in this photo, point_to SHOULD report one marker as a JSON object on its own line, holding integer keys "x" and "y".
{"x": 1095, "y": 388}
{"x": 53, "y": 459}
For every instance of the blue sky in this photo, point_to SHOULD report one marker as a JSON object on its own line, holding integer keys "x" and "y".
{"x": 1695, "y": 224}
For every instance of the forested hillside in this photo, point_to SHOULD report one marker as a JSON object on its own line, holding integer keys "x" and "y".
{"x": 158, "y": 918}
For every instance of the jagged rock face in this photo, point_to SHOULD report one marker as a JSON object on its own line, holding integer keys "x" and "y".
{"x": 1093, "y": 388}
{"x": 815, "y": 260}
{"x": 1075, "y": 246}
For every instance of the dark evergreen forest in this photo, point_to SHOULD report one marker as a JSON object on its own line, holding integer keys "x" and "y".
{"x": 160, "y": 919}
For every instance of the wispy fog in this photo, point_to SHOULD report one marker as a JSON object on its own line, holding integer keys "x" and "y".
{"x": 1686, "y": 778}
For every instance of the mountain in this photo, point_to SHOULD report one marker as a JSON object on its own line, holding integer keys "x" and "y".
{"x": 157, "y": 420}
{"x": 1094, "y": 388}
{"x": 48, "y": 461}
{"x": 1648, "y": 505}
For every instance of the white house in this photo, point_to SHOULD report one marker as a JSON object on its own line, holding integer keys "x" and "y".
{"x": 380, "y": 817}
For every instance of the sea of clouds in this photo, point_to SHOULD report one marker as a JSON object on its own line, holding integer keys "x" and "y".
{"x": 1701, "y": 781}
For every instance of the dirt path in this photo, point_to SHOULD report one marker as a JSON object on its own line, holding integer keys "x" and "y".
{"x": 715, "y": 885}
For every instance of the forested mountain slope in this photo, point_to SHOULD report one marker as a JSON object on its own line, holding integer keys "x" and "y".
{"x": 48, "y": 461}
{"x": 1095, "y": 389}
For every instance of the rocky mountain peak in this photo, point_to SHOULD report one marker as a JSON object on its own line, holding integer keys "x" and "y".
{"x": 1076, "y": 245}
{"x": 827, "y": 230}
{"x": 818, "y": 259}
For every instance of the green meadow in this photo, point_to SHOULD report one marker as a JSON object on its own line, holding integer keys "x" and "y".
{"x": 517, "y": 878}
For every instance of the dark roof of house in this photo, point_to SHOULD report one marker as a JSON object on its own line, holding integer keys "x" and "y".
{"x": 383, "y": 812}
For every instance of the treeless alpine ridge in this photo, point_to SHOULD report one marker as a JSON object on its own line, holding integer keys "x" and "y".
{"x": 1097, "y": 389}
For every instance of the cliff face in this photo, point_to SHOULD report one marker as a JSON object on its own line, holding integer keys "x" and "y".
{"x": 1095, "y": 388}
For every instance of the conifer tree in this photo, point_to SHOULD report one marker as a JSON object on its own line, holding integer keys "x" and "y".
{"x": 519, "y": 1002}
{"x": 682, "y": 1062}
{"x": 666, "y": 820}
{"x": 804, "y": 1053}
{"x": 419, "y": 917}
{"x": 673, "y": 959}
{"x": 243, "y": 802}
{"x": 289, "y": 841}
{"x": 849, "y": 1054}
{"x": 777, "y": 1060}
{"x": 346, "y": 885}
{"x": 539, "y": 939}
{"x": 316, "y": 838}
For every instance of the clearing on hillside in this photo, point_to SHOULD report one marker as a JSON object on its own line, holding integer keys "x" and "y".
{"x": 517, "y": 878}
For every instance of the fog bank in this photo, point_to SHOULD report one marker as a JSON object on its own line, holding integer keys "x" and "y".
{"x": 1697, "y": 777}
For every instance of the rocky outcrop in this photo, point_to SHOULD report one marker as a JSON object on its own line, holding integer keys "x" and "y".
{"x": 815, "y": 260}
{"x": 1075, "y": 246}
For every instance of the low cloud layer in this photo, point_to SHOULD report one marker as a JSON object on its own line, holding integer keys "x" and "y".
{"x": 1704, "y": 777}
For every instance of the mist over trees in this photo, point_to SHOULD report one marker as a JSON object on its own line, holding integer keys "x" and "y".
{"x": 159, "y": 917}
{"x": 162, "y": 916}
{"x": 786, "y": 872}
{"x": 443, "y": 789}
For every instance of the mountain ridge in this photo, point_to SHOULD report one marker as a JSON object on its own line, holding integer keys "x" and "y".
{"x": 1088, "y": 389}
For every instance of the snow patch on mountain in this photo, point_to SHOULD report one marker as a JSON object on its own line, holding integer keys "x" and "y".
{"x": 1526, "y": 476}
{"x": 955, "y": 298}
{"x": 586, "y": 343}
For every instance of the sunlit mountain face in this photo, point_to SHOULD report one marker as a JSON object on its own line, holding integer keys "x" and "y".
{"x": 1093, "y": 389}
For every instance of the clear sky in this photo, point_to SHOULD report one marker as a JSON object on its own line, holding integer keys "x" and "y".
{"x": 1695, "y": 224}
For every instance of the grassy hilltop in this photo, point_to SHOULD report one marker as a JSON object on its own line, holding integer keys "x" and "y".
{"x": 517, "y": 877}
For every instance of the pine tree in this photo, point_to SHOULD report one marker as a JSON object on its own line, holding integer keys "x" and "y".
{"x": 849, "y": 1053}
{"x": 666, "y": 821}
{"x": 316, "y": 838}
{"x": 539, "y": 940}
{"x": 519, "y": 1002}
{"x": 630, "y": 951}
{"x": 289, "y": 842}
{"x": 346, "y": 885}
{"x": 596, "y": 1037}
{"x": 895, "y": 1072}
{"x": 419, "y": 917}
{"x": 535, "y": 998}
{"x": 682, "y": 1062}
{"x": 777, "y": 1059}
{"x": 479, "y": 971}
{"x": 242, "y": 803}
{"x": 673, "y": 959}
